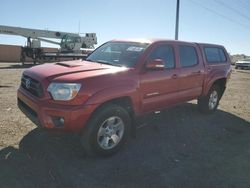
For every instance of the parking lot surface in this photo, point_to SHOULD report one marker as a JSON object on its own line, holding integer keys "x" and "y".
{"x": 178, "y": 148}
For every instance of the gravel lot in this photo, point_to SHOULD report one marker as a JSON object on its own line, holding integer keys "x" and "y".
{"x": 178, "y": 148}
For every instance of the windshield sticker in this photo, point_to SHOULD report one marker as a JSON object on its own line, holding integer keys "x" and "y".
{"x": 135, "y": 49}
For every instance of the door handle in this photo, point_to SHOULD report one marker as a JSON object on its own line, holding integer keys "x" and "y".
{"x": 196, "y": 72}
{"x": 174, "y": 76}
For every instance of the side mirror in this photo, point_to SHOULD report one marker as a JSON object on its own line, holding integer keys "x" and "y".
{"x": 155, "y": 64}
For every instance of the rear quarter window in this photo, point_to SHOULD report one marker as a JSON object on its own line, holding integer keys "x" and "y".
{"x": 215, "y": 55}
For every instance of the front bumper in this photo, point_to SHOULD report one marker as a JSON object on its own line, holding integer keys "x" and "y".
{"x": 44, "y": 114}
{"x": 243, "y": 65}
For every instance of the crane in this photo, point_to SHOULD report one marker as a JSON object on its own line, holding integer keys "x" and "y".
{"x": 70, "y": 43}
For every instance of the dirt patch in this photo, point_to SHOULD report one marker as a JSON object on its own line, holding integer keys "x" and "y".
{"x": 179, "y": 148}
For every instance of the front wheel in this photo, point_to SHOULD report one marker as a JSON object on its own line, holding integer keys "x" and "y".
{"x": 209, "y": 103}
{"x": 106, "y": 131}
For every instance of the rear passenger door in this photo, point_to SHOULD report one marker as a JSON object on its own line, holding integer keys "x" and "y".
{"x": 191, "y": 72}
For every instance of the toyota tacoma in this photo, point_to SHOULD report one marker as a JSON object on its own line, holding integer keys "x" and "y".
{"x": 101, "y": 96}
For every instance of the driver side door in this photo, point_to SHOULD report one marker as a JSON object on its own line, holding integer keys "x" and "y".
{"x": 159, "y": 88}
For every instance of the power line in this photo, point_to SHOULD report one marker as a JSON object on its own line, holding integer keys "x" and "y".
{"x": 244, "y": 4}
{"x": 219, "y": 14}
{"x": 233, "y": 9}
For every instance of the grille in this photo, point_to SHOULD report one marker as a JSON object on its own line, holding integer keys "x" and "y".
{"x": 32, "y": 85}
{"x": 244, "y": 64}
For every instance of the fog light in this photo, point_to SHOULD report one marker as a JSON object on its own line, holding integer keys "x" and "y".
{"x": 58, "y": 121}
{"x": 61, "y": 120}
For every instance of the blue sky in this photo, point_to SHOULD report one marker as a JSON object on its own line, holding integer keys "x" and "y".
{"x": 225, "y": 22}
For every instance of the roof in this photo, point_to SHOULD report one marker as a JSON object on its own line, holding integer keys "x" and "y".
{"x": 153, "y": 40}
{"x": 208, "y": 44}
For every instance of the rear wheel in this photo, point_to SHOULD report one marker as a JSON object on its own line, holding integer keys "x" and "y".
{"x": 209, "y": 103}
{"x": 106, "y": 131}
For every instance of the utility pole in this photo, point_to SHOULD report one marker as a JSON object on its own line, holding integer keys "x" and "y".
{"x": 79, "y": 26}
{"x": 177, "y": 19}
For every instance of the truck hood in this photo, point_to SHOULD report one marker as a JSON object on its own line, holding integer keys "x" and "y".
{"x": 71, "y": 70}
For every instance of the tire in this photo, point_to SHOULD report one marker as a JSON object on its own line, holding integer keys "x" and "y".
{"x": 106, "y": 131}
{"x": 236, "y": 67}
{"x": 209, "y": 103}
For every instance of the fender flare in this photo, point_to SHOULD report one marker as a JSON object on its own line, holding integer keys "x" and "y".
{"x": 115, "y": 92}
{"x": 210, "y": 83}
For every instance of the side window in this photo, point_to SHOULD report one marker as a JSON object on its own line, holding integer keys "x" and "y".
{"x": 222, "y": 55}
{"x": 214, "y": 55}
{"x": 166, "y": 53}
{"x": 188, "y": 56}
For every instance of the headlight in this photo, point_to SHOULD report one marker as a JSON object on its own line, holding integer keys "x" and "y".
{"x": 63, "y": 91}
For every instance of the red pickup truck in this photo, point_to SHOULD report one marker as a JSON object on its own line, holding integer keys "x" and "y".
{"x": 101, "y": 96}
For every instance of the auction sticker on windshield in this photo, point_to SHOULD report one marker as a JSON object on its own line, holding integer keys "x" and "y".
{"x": 135, "y": 49}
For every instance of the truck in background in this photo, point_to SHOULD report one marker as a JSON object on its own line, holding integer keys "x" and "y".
{"x": 70, "y": 43}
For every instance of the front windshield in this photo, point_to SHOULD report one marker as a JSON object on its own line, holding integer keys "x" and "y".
{"x": 68, "y": 39}
{"x": 118, "y": 53}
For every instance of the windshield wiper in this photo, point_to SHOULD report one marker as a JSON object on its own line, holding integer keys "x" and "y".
{"x": 89, "y": 60}
{"x": 106, "y": 63}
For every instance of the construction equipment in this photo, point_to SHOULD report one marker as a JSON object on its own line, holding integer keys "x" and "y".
{"x": 70, "y": 43}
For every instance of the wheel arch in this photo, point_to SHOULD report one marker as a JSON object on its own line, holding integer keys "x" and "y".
{"x": 222, "y": 85}
{"x": 221, "y": 82}
{"x": 122, "y": 101}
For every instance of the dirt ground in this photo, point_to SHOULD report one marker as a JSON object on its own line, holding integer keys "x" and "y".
{"x": 179, "y": 148}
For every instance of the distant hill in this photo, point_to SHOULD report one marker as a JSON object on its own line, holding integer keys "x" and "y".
{"x": 238, "y": 57}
